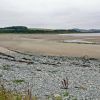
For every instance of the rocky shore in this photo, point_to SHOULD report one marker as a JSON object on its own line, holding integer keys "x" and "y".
{"x": 43, "y": 75}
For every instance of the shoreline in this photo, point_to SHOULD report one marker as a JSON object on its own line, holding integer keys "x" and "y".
{"x": 45, "y": 73}
{"x": 52, "y": 45}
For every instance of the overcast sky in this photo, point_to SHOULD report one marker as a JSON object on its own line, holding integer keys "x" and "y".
{"x": 50, "y": 13}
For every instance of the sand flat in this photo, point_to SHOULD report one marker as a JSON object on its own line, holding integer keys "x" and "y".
{"x": 49, "y": 45}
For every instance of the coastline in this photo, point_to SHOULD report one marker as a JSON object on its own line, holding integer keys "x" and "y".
{"x": 45, "y": 73}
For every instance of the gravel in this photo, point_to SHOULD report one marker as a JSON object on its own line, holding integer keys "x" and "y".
{"x": 43, "y": 75}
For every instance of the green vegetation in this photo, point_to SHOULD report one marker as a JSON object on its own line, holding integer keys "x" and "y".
{"x": 65, "y": 94}
{"x": 7, "y": 95}
{"x": 6, "y": 67}
{"x": 10, "y": 96}
{"x": 24, "y": 29}
{"x": 18, "y": 81}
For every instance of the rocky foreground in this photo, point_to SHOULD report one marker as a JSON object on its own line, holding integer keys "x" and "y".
{"x": 44, "y": 75}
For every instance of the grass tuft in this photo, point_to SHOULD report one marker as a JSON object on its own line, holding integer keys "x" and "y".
{"x": 18, "y": 81}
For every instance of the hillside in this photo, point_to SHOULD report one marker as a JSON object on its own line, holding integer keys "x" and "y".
{"x": 24, "y": 29}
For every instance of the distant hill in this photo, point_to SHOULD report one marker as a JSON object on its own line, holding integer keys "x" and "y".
{"x": 13, "y": 29}
{"x": 24, "y": 29}
{"x": 87, "y": 31}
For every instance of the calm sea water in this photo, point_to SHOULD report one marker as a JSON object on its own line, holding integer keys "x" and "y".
{"x": 82, "y": 34}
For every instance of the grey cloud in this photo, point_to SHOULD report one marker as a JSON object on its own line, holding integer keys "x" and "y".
{"x": 50, "y": 13}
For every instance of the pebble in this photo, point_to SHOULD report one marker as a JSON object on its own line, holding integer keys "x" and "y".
{"x": 45, "y": 74}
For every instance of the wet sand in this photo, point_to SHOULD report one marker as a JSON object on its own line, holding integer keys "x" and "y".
{"x": 51, "y": 44}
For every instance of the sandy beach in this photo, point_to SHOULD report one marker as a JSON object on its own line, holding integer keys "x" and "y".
{"x": 51, "y": 44}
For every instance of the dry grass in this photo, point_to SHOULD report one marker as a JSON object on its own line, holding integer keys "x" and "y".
{"x": 7, "y": 95}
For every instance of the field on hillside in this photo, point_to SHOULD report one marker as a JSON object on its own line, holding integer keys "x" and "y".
{"x": 52, "y": 44}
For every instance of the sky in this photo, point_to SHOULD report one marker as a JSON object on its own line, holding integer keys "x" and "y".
{"x": 56, "y": 14}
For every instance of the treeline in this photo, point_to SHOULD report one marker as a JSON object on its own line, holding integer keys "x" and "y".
{"x": 13, "y": 29}
{"x": 24, "y": 29}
